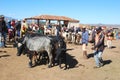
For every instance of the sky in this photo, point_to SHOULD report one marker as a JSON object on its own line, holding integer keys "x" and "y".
{"x": 87, "y": 11}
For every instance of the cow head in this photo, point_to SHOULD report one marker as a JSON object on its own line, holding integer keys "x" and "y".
{"x": 61, "y": 43}
{"x": 61, "y": 48}
{"x": 20, "y": 46}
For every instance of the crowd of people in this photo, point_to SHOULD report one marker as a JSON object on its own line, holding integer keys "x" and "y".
{"x": 13, "y": 29}
{"x": 100, "y": 38}
{"x": 97, "y": 36}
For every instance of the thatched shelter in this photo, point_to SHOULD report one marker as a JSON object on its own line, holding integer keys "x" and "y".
{"x": 48, "y": 18}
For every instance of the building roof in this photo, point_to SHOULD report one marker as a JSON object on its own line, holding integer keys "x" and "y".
{"x": 52, "y": 17}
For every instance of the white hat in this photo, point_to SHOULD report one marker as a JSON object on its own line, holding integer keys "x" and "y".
{"x": 84, "y": 27}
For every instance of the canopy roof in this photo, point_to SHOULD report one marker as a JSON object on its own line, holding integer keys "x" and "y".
{"x": 52, "y": 17}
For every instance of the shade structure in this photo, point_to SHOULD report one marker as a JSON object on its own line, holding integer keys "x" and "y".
{"x": 52, "y": 17}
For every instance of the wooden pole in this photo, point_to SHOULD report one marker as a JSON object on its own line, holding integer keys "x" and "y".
{"x": 38, "y": 22}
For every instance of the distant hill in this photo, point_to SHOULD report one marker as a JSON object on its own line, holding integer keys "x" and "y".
{"x": 107, "y": 25}
{"x": 9, "y": 18}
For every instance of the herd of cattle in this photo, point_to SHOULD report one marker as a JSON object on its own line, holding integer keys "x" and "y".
{"x": 39, "y": 47}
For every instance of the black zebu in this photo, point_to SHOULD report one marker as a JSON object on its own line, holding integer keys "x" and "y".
{"x": 36, "y": 43}
{"x": 61, "y": 53}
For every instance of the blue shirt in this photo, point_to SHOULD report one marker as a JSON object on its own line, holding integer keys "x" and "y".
{"x": 85, "y": 37}
{"x": 8, "y": 25}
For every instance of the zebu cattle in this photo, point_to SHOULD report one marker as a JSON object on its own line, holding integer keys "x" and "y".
{"x": 73, "y": 38}
{"x": 65, "y": 35}
{"x": 19, "y": 42}
{"x": 56, "y": 49}
{"x": 78, "y": 37}
{"x": 36, "y": 44}
{"x": 61, "y": 53}
{"x": 69, "y": 37}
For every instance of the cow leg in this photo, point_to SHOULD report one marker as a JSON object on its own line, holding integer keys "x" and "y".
{"x": 55, "y": 61}
{"x": 34, "y": 58}
{"x": 65, "y": 61}
{"x": 39, "y": 57}
{"x": 47, "y": 58}
{"x": 30, "y": 60}
{"x": 19, "y": 51}
{"x": 60, "y": 62}
{"x": 63, "y": 57}
{"x": 50, "y": 59}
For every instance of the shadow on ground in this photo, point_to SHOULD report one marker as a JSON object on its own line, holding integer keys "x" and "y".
{"x": 106, "y": 62}
{"x": 6, "y": 55}
{"x": 91, "y": 55}
{"x": 3, "y": 51}
{"x": 3, "y": 54}
{"x": 112, "y": 47}
{"x": 71, "y": 61}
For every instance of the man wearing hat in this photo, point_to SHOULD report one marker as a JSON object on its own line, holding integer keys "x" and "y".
{"x": 98, "y": 47}
{"x": 85, "y": 37}
{"x": 3, "y": 28}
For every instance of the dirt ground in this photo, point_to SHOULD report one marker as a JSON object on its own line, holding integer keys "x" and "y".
{"x": 13, "y": 67}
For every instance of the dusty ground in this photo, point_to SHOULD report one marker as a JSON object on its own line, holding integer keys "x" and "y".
{"x": 16, "y": 68}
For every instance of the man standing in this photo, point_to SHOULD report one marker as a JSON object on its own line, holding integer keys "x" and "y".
{"x": 58, "y": 32}
{"x": 3, "y": 29}
{"x": 98, "y": 47}
{"x": 24, "y": 28}
{"x": 110, "y": 36}
{"x": 18, "y": 28}
{"x": 85, "y": 37}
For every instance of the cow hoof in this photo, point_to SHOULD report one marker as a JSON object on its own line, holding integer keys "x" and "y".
{"x": 65, "y": 68}
{"x": 49, "y": 66}
{"x": 23, "y": 53}
{"x": 30, "y": 64}
{"x": 27, "y": 56}
{"x": 38, "y": 62}
{"x": 18, "y": 54}
{"x": 60, "y": 67}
